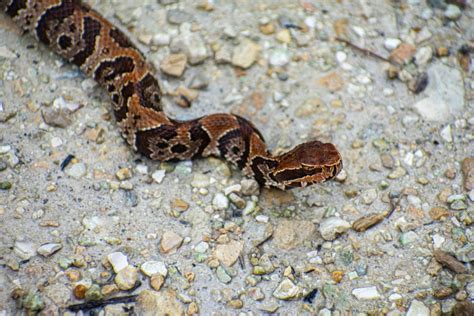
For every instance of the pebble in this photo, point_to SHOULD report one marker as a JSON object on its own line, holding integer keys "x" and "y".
{"x": 174, "y": 64}
{"x": 331, "y": 227}
{"x": 452, "y": 12}
{"x": 170, "y": 242}
{"x": 423, "y": 56}
{"x": 24, "y": 249}
{"x": 391, "y": 43}
{"x": 156, "y": 281}
{"x": 47, "y": 250}
{"x": 262, "y": 218}
{"x": 150, "y": 268}
{"x": 161, "y": 39}
{"x": 192, "y": 45}
{"x": 6, "y": 53}
{"x": 177, "y": 17}
{"x": 291, "y": 234}
{"x": 222, "y": 275}
{"x": 245, "y": 54}
{"x": 369, "y": 196}
{"x": 202, "y": 247}
{"x": 366, "y": 293}
{"x": 403, "y": 53}
{"x": 165, "y": 301}
{"x": 118, "y": 261}
{"x": 279, "y": 57}
{"x": 446, "y": 134}
{"x": 126, "y": 278}
{"x": 77, "y": 170}
{"x": 467, "y": 169}
{"x": 251, "y": 186}
{"x": 408, "y": 238}
{"x": 228, "y": 254}
{"x": 283, "y": 36}
{"x": 220, "y": 202}
{"x": 158, "y": 175}
{"x": 417, "y": 308}
{"x": 93, "y": 293}
{"x": 287, "y": 290}
{"x": 445, "y": 94}
{"x": 448, "y": 261}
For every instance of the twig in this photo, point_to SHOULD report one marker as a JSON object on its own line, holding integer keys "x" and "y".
{"x": 92, "y": 305}
{"x": 365, "y": 51}
{"x": 394, "y": 205}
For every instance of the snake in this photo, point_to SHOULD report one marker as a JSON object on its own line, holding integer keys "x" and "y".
{"x": 85, "y": 38}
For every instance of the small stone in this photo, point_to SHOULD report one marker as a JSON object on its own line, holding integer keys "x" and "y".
{"x": 290, "y": 234}
{"x": 24, "y": 249}
{"x": 279, "y": 57}
{"x": 126, "y": 278}
{"x": 408, "y": 238}
{"x": 158, "y": 175}
{"x": 47, "y": 250}
{"x": 5, "y": 185}
{"x": 220, "y": 202}
{"x": 284, "y": 36}
{"x": 150, "y": 268}
{"x": 452, "y": 12}
{"x": 369, "y": 196}
{"x": 192, "y": 45}
{"x": 367, "y": 222}
{"x": 391, "y": 43}
{"x": 437, "y": 213}
{"x": 93, "y": 293}
{"x": 174, "y": 64}
{"x": 467, "y": 168}
{"x": 228, "y": 254}
{"x": 397, "y": 173}
{"x": 79, "y": 291}
{"x": 287, "y": 290}
{"x": 245, "y": 54}
{"x": 449, "y": 261}
{"x": 403, "y": 53}
{"x": 156, "y": 281}
{"x": 256, "y": 293}
{"x": 177, "y": 16}
{"x": 251, "y": 187}
{"x": 166, "y": 302}
{"x": 423, "y": 56}
{"x": 331, "y": 227}
{"x": 366, "y": 293}
{"x": 77, "y": 170}
{"x": 161, "y": 39}
{"x": 447, "y": 134}
{"x": 267, "y": 28}
{"x": 465, "y": 308}
{"x": 170, "y": 242}
{"x": 118, "y": 261}
{"x": 222, "y": 275}
{"x": 417, "y": 308}
{"x": 6, "y": 53}
{"x": 33, "y": 302}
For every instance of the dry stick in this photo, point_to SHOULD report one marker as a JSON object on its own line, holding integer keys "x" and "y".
{"x": 365, "y": 51}
{"x": 92, "y": 305}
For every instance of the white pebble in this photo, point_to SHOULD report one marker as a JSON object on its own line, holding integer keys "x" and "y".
{"x": 158, "y": 175}
{"x": 391, "y": 43}
{"x": 118, "y": 261}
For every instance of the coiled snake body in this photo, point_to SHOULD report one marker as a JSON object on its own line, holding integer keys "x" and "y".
{"x": 85, "y": 38}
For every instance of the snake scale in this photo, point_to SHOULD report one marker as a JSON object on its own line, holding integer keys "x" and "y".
{"x": 85, "y": 38}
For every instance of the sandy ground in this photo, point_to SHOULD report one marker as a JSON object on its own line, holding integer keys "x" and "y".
{"x": 225, "y": 249}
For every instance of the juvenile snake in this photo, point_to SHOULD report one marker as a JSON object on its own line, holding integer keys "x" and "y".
{"x": 86, "y": 39}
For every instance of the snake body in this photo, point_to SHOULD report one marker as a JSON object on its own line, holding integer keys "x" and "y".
{"x": 85, "y": 38}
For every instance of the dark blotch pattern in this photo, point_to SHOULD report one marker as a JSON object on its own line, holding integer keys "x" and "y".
{"x": 198, "y": 134}
{"x": 258, "y": 175}
{"x": 14, "y": 8}
{"x": 109, "y": 70}
{"x": 91, "y": 31}
{"x": 53, "y": 17}
{"x": 65, "y": 42}
{"x": 179, "y": 149}
{"x": 149, "y": 92}
{"x": 120, "y": 38}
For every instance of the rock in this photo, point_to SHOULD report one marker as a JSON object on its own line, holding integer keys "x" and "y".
{"x": 466, "y": 253}
{"x": 287, "y": 290}
{"x": 126, "y": 278}
{"x": 369, "y": 196}
{"x": 417, "y": 308}
{"x": 93, "y": 293}
{"x": 47, "y": 250}
{"x": 366, "y": 293}
{"x": 174, "y": 64}
{"x": 438, "y": 213}
{"x": 249, "y": 187}
{"x": 152, "y": 267}
{"x": 449, "y": 261}
{"x": 6, "y": 53}
{"x": 170, "y": 242}
{"x": 33, "y": 303}
{"x": 403, "y": 53}
{"x": 333, "y": 82}
{"x": 220, "y": 202}
{"x": 256, "y": 293}
{"x": 465, "y": 308}
{"x": 279, "y": 57}
{"x": 391, "y": 43}
{"x": 192, "y": 45}
{"x": 408, "y": 238}
{"x": 222, "y": 275}
{"x": 166, "y": 302}
{"x": 284, "y": 36}
{"x": 156, "y": 281}
{"x": 423, "y": 56}
{"x": 118, "y": 261}
{"x": 452, "y": 12}
{"x": 290, "y": 234}
{"x": 158, "y": 175}
{"x": 24, "y": 249}
{"x": 228, "y": 254}
{"x": 161, "y": 39}
{"x": 245, "y": 54}
{"x": 331, "y": 227}
{"x": 77, "y": 170}
{"x": 123, "y": 174}
{"x": 177, "y": 16}
{"x": 445, "y": 94}
{"x": 467, "y": 168}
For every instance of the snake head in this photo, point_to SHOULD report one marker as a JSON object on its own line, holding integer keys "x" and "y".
{"x": 306, "y": 164}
